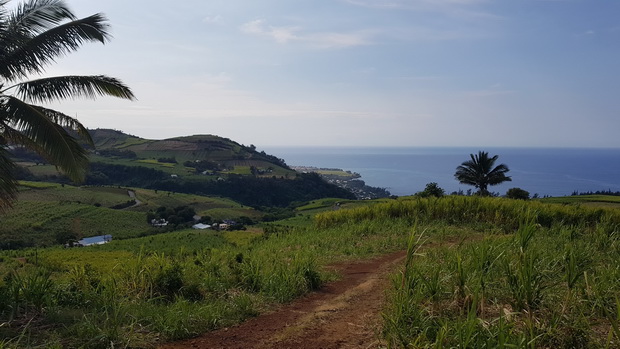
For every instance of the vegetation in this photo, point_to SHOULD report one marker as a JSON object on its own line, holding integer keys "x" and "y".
{"x": 490, "y": 272}
{"x": 479, "y": 172}
{"x": 248, "y": 190}
{"x": 612, "y": 201}
{"x": 534, "y": 289}
{"x": 200, "y": 165}
{"x": 480, "y": 272}
{"x": 518, "y": 193}
{"x": 48, "y": 214}
{"x": 432, "y": 189}
{"x": 188, "y": 282}
{"x": 174, "y": 216}
{"x": 32, "y": 36}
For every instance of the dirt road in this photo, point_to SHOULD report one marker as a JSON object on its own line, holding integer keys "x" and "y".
{"x": 343, "y": 314}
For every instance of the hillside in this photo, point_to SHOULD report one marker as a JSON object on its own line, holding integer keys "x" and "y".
{"x": 199, "y": 164}
{"x": 221, "y": 153}
{"x": 49, "y": 214}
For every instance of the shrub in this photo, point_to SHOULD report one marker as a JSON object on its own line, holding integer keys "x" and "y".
{"x": 518, "y": 193}
{"x": 432, "y": 189}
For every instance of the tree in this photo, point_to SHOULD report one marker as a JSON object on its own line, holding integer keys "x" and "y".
{"x": 432, "y": 189}
{"x": 479, "y": 172}
{"x": 32, "y": 36}
{"x": 518, "y": 193}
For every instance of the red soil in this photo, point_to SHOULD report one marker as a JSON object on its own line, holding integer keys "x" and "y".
{"x": 342, "y": 314}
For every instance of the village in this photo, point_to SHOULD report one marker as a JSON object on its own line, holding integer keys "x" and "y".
{"x": 348, "y": 180}
{"x": 225, "y": 225}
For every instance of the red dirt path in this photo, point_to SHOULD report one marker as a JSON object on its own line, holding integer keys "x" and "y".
{"x": 342, "y": 314}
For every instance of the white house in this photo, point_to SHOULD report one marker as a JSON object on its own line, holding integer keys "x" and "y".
{"x": 95, "y": 240}
{"x": 201, "y": 226}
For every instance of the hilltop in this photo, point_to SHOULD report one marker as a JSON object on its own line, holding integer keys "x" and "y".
{"x": 223, "y": 152}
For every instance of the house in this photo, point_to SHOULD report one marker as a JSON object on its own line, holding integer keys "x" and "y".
{"x": 159, "y": 222}
{"x": 201, "y": 226}
{"x": 94, "y": 240}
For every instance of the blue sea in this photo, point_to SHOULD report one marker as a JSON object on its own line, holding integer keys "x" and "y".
{"x": 405, "y": 171}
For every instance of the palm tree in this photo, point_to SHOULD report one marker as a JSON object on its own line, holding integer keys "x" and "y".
{"x": 480, "y": 173}
{"x": 32, "y": 36}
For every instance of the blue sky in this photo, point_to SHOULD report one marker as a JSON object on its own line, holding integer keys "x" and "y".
{"x": 359, "y": 72}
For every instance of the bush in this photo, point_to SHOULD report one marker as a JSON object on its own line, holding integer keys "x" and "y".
{"x": 432, "y": 189}
{"x": 518, "y": 193}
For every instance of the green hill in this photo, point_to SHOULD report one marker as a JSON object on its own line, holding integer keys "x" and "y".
{"x": 48, "y": 214}
{"x": 200, "y": 164}
{"x": 221, "y": 154}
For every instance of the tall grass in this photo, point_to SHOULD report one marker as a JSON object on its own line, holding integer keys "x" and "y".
{"x": 550, "y": 282}
{"x": 481, "y": 212}
{"x": 479, "y": 272}
{"x": 126, "y": 296}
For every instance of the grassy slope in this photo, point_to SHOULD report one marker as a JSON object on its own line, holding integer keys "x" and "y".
{"x": 465, "y": 240}
{"x": 216, "y": 208}
{"x": 228, "y": 153}
{"x": 46, "y": 210}
{"x": 233, "y": 157}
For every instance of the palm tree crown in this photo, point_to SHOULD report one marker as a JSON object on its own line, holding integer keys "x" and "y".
{"x": 479, "y": 172}
{"x": 32, "y": 36}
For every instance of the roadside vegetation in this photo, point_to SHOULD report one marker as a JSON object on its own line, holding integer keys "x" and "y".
{"x": 480, "y": 272}
{"x": 489, "y": 273}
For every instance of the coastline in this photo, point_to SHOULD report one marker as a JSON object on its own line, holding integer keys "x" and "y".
{"x": 405, "y": 171}
{"x": 348, "y": 180}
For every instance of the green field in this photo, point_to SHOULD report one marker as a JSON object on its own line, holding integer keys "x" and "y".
{"x": 48, "y": 213}
{"x": 339, "y": 173}
{"x": 214, "y": 207}
{"x": 480, "y": 272}
{"x": 588, "y": 200}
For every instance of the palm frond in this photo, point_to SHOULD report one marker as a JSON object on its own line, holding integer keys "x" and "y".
{"x": 46, "y": 137}
{"x": 65, "y": 87}
{"x": 3, "y": 13}
{"x": 8, "y": 185}
{"x": 32, "y": 55}
{"x": 35, "y": 16}
{"x": 67, "y": 122}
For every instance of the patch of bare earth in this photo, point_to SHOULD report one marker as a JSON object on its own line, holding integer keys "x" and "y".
{"x": 342, "y": 314}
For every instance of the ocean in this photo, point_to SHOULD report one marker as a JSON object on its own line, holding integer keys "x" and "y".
{"x": 405, "y": 171}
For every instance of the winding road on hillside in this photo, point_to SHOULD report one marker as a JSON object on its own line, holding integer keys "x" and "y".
{"x": 342, "y": 314}
{"x": 132, "y": 195}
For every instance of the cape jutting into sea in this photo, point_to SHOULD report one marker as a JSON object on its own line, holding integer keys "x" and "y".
{"x": 405, "y": 171}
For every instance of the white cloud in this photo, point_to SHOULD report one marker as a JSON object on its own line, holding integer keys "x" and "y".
{"x": 322, "y": 40}
{"x": 279, "y": 34}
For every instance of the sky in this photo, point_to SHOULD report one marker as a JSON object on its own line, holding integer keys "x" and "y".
{"x": 500, "y": 73}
